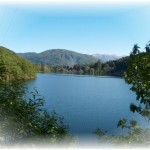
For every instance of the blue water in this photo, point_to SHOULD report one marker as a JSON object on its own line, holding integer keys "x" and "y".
{"x": 86, "y": 102}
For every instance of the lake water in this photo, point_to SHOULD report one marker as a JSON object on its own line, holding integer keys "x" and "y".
{"x": 86, "y": 102}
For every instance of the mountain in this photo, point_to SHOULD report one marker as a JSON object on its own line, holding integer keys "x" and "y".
{"x": 13, "y": 66}
{"x": 105, "y": 57}
{"x": 59, "y": 57}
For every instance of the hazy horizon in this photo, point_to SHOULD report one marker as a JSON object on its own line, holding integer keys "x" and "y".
{"x": 88, "y": 29}
{"x": 73, "y": 51}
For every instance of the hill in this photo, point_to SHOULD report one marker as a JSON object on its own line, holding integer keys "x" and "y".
{"x": 59, "y": 57}
{"x": 117, "y": 67}
{"x": 13, "y": 66}
{"x": 106, "y": 57}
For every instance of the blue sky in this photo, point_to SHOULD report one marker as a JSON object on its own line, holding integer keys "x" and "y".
{"x": 104, "y": 29}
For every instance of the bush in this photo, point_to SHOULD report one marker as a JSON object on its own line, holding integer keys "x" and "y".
{"x": 26, "y": 120}
{"x": 138, "y": 75}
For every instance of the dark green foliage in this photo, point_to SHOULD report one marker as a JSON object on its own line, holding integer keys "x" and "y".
{"x": 13, "y": 66}
{"x": 59, "y": 57}
{"x": 138, "y": 75}
{"x": 116, "y": 67}
{"x": 148, "y": 47}
{"x": 122, "y": 123}
{"x": 111, "y": 68}
{"x": 135, "y": 50}
{"x": 98, "y": 67}
{"x": 25, "y": 120}
{"x": 43, "y": 68}
{"x": 64, "y": 61}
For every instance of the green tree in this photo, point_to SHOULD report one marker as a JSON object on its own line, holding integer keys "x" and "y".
{"x": 80, "y": 71}
{"x": 148, "y": 47}
{"x": 86, "y": 69}
{"x": 98, "y": 67}
{"x": 138, "y": 75}
{"x": 24, "y": 119}
{"x": 92, "y": 71}
{"x": 14, "y": 66}
{"x": 135, "y": 49}
{"x": 45, "y": 68}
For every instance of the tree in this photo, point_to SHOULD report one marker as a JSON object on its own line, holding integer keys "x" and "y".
{"x": 135, "y": 49}
{"x": 24, "y": 120}
{"x": 80, "y": 71}
{"x": 45, "y": 68}
{"x": 148, "y": 47}
{"x": 138, "y": 75}
{"x": 14, "y": 66}
{"x": 86, "y": 69}
{"x": 98, "y": 67}
{"x": 3, "y": 71}
{"x": 91, "y": 71}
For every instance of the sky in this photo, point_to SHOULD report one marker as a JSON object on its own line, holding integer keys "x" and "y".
{"x": 89, "y": 28}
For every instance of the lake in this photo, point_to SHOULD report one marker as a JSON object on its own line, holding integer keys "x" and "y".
{"x": 86, "y": 102}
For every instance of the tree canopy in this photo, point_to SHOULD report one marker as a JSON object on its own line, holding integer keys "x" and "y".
{"x": 138, "y": 75}
{"x": 13, "y": 66}
{"x": 25, "y": 120}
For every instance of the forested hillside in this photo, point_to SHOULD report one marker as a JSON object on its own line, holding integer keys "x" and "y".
{"x": 59, "y": 57}
{"x": 23, "y": 119}
{"x": 13, "y": 66}
{"x": 110, "y": 68}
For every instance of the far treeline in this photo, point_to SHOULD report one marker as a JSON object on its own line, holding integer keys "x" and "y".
{"x": 24, "y": 120}
{"x": 110, "y": 68}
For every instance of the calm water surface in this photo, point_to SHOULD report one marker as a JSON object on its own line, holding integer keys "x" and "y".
{"x": 86, "y": 102}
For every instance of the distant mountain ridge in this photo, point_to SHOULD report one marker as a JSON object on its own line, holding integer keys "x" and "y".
{"x": 106, "y": 57}
{"x": 59, "y": 57}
